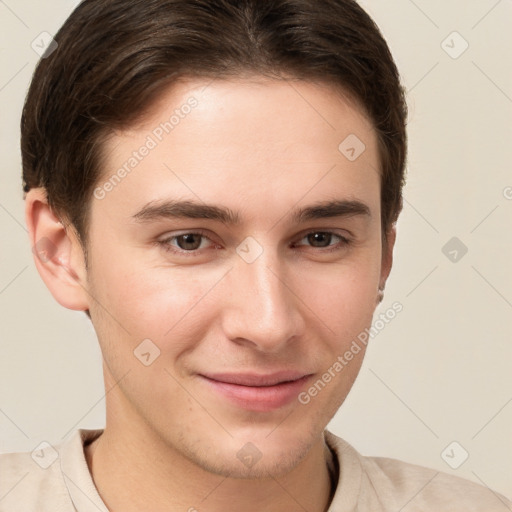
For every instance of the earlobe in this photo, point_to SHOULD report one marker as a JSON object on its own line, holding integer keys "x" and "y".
{"x": 57, "y": 252}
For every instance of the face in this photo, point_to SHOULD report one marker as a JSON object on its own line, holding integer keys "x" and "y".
{"x": 216, "y": 317}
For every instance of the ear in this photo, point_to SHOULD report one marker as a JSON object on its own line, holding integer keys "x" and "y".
{"x": 57, "y": 252}
{"x": 387, "y": 256}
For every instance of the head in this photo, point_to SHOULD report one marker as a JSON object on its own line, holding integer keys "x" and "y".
{"x": 216, "y": 183}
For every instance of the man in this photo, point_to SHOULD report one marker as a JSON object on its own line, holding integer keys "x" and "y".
{"x": 216, "y": 184}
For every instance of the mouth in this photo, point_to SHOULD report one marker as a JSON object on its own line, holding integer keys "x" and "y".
{"x": 257, "y": 392}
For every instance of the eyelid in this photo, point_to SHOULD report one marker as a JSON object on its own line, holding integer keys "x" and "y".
{"x": 165, "y": 240}
{"x": 344, "y": 234}
{"x": 345, "y": 241}
{"x": 176, "y": 234}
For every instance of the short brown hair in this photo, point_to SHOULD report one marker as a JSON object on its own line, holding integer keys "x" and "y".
{"x": 115, "y": 56}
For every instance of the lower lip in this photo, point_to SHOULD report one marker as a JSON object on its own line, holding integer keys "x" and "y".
{"x": 261, "y": 399}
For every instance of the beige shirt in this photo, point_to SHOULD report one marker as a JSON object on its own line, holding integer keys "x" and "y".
{"x": 57, "y": 479}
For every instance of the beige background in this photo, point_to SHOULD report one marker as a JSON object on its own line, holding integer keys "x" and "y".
{"x": 440, "y": 371}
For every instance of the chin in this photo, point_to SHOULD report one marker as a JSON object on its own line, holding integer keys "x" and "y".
{"x": 250, "y": 462}
{"x": 253, "y": 453}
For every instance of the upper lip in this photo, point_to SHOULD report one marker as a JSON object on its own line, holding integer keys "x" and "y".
{"x": 256, "y": 379}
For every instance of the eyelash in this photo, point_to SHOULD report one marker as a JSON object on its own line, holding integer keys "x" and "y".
{"x": 165, "y": 243}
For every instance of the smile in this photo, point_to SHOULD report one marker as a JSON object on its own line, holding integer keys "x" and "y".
{"x": 257, "y": 392}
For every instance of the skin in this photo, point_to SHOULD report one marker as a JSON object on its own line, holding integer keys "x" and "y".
{"x": 262, "y": 148}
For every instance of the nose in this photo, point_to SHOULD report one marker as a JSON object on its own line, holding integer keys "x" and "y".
{"x": 263, "y": 311}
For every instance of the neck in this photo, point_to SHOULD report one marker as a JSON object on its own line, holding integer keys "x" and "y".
{"x": 133, "y": 471}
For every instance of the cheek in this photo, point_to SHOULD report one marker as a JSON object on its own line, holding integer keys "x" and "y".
{"x": 343, "y": 297}
{"x": 136, "y": 302}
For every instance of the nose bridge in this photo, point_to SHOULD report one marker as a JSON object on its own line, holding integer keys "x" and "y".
{"x": 263, "y": 308}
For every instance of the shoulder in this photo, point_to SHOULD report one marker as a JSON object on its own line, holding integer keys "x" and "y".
{"x": 424, "y": 487}
{"x": 410, "y": 487}
{"x": 30, "y": 479}
{"x": 39, "y": 480}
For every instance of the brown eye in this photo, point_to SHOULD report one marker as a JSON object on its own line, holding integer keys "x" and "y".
{"x": 189, "y": 241}
{"x": 323, "y": 240}
{"x": 185, "y": 244}
{"x": 319, "y": 238}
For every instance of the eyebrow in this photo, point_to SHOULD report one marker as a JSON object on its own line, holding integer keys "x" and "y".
{"x": 171, "y": 209}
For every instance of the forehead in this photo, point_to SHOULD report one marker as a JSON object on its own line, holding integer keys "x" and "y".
{"x": 289, "y": 110}
{"x": 242, "y": 141}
